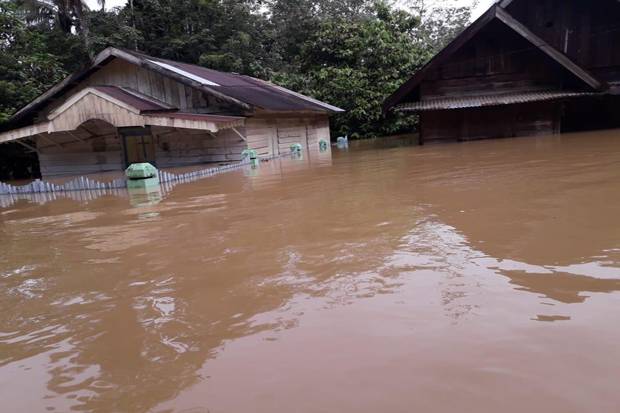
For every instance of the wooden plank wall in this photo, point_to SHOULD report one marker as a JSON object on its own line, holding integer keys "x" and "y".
{"x": 587, "y": 31}
{"x": 93, "y": 107}
{"x": 182, "y": 147}
{"x": 97, "y": 150}
{"x": 272, "y": 135}
{"x": 291, "y": 131}
{"x": 492, "y": 122}
{"x": 318, "y": 129}
{"x": 261, "y": 134}
{"x": 488, "y": 66}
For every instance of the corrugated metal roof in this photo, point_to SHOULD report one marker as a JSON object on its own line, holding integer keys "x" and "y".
{"x": 184, "y": 73}
{"x": 247, "y": 89}
{"x": 487, "y": 100}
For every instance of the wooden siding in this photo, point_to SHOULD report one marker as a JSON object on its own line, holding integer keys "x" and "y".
{"x": 261, "y": 135}
{"x": 182, "y": 147}
{"x": 93, "y": 107}
{"x": 272, "y": 135}
{"x": 492, "y": 122}
{"x": 587, "y": 31}
{"x": 486, "y": 65}
{"x": 95, "y": 147}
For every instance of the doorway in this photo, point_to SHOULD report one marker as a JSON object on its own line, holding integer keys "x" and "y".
{"x": 138, "y": 145}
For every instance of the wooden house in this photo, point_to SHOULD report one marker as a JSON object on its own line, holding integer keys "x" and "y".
{"x": 127, "y": 107}
{"x": 525, "y": 67}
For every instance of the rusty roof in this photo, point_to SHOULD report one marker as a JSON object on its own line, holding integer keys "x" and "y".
{"x": 487, "y": 100}
{"x": 247, "y": 89}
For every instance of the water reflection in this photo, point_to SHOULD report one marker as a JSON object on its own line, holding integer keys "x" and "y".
{"x": 388, "y": 266}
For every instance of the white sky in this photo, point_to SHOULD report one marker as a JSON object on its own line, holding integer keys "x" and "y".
{"x": 482, "y": 4}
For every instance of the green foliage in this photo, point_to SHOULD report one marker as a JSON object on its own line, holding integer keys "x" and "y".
{"x": 354, "y": 64}
{"x": 27, "y": 68}
{"x": 350, "y": 53}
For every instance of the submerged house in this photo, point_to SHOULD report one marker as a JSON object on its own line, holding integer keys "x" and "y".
{"x": 525, "y": 67}
{"x": 127, "y": 107}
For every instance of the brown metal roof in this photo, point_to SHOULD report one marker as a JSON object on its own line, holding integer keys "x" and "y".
{"x": 487, "y": 100}
{"x": 253, "y": 91}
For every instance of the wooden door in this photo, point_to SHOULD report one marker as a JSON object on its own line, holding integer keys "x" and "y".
{"x": 139, "y": 149}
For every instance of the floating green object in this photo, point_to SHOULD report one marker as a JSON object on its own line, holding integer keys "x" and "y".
{"x": 142, "y": 183}
{"x": 141, "y": 171}
{"x": 249, "y": 153}
{"x": 296, "y": 148}
{"x": 141, "y": 175}
{"x": 323, "y": 145}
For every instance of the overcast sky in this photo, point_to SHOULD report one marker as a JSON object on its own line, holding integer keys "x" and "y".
{"x": 482, "y": 4}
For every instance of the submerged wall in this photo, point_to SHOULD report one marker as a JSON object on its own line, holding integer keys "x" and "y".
{"x": 273, "y": 135}
{"x": 94, "y": 147}
{"x": 182, "y": 147}
{"x": 492, "y": 122}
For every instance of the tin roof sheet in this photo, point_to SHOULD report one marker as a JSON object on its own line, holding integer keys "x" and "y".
{"x": 247, "y": 89}
{"x": 487, "y": 100}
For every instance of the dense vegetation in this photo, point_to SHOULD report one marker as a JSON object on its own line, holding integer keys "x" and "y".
{"x": 350, "y": 53}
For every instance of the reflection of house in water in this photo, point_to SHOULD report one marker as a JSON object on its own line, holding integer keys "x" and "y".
{"x": 128, "y": 107}
{"x": 155, "y": 300}
{"x": 263, "y": 173}
{"x": 563, "y": 287}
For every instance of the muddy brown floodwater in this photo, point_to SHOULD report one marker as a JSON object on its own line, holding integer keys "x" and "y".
{"x": 477, "y": 277}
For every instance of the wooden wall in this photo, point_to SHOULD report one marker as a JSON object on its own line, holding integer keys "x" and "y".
{"x": 495, "y": 61}
{"x": 587, "y": 31}
{"x": 99, "y": 149}
{"x": 261, "y": 135}
{"x": 492, "y": 122}
{"x": 273, "y": 135}
{"x": 183, "y": 147}
{"x": 94, "y": 147}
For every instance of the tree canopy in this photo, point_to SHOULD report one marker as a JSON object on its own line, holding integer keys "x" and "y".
{"x": 350, "y": 53}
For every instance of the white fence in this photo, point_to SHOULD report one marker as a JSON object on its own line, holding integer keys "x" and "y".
{"x": 86, "y": 184}
{"x": 84, "y": 189}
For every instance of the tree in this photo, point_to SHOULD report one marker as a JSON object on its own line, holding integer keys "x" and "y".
{"x": 65, "y": 14}
{"x": 351, "y": 53}
{"x": 353, "y": 65}
{"x": 27, "y": 68}
{"x": 440, "y": 24}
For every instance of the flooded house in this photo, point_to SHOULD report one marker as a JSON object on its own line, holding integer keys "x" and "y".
{"x": 127, "y": 107}
{"x": 525, "y": 67}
